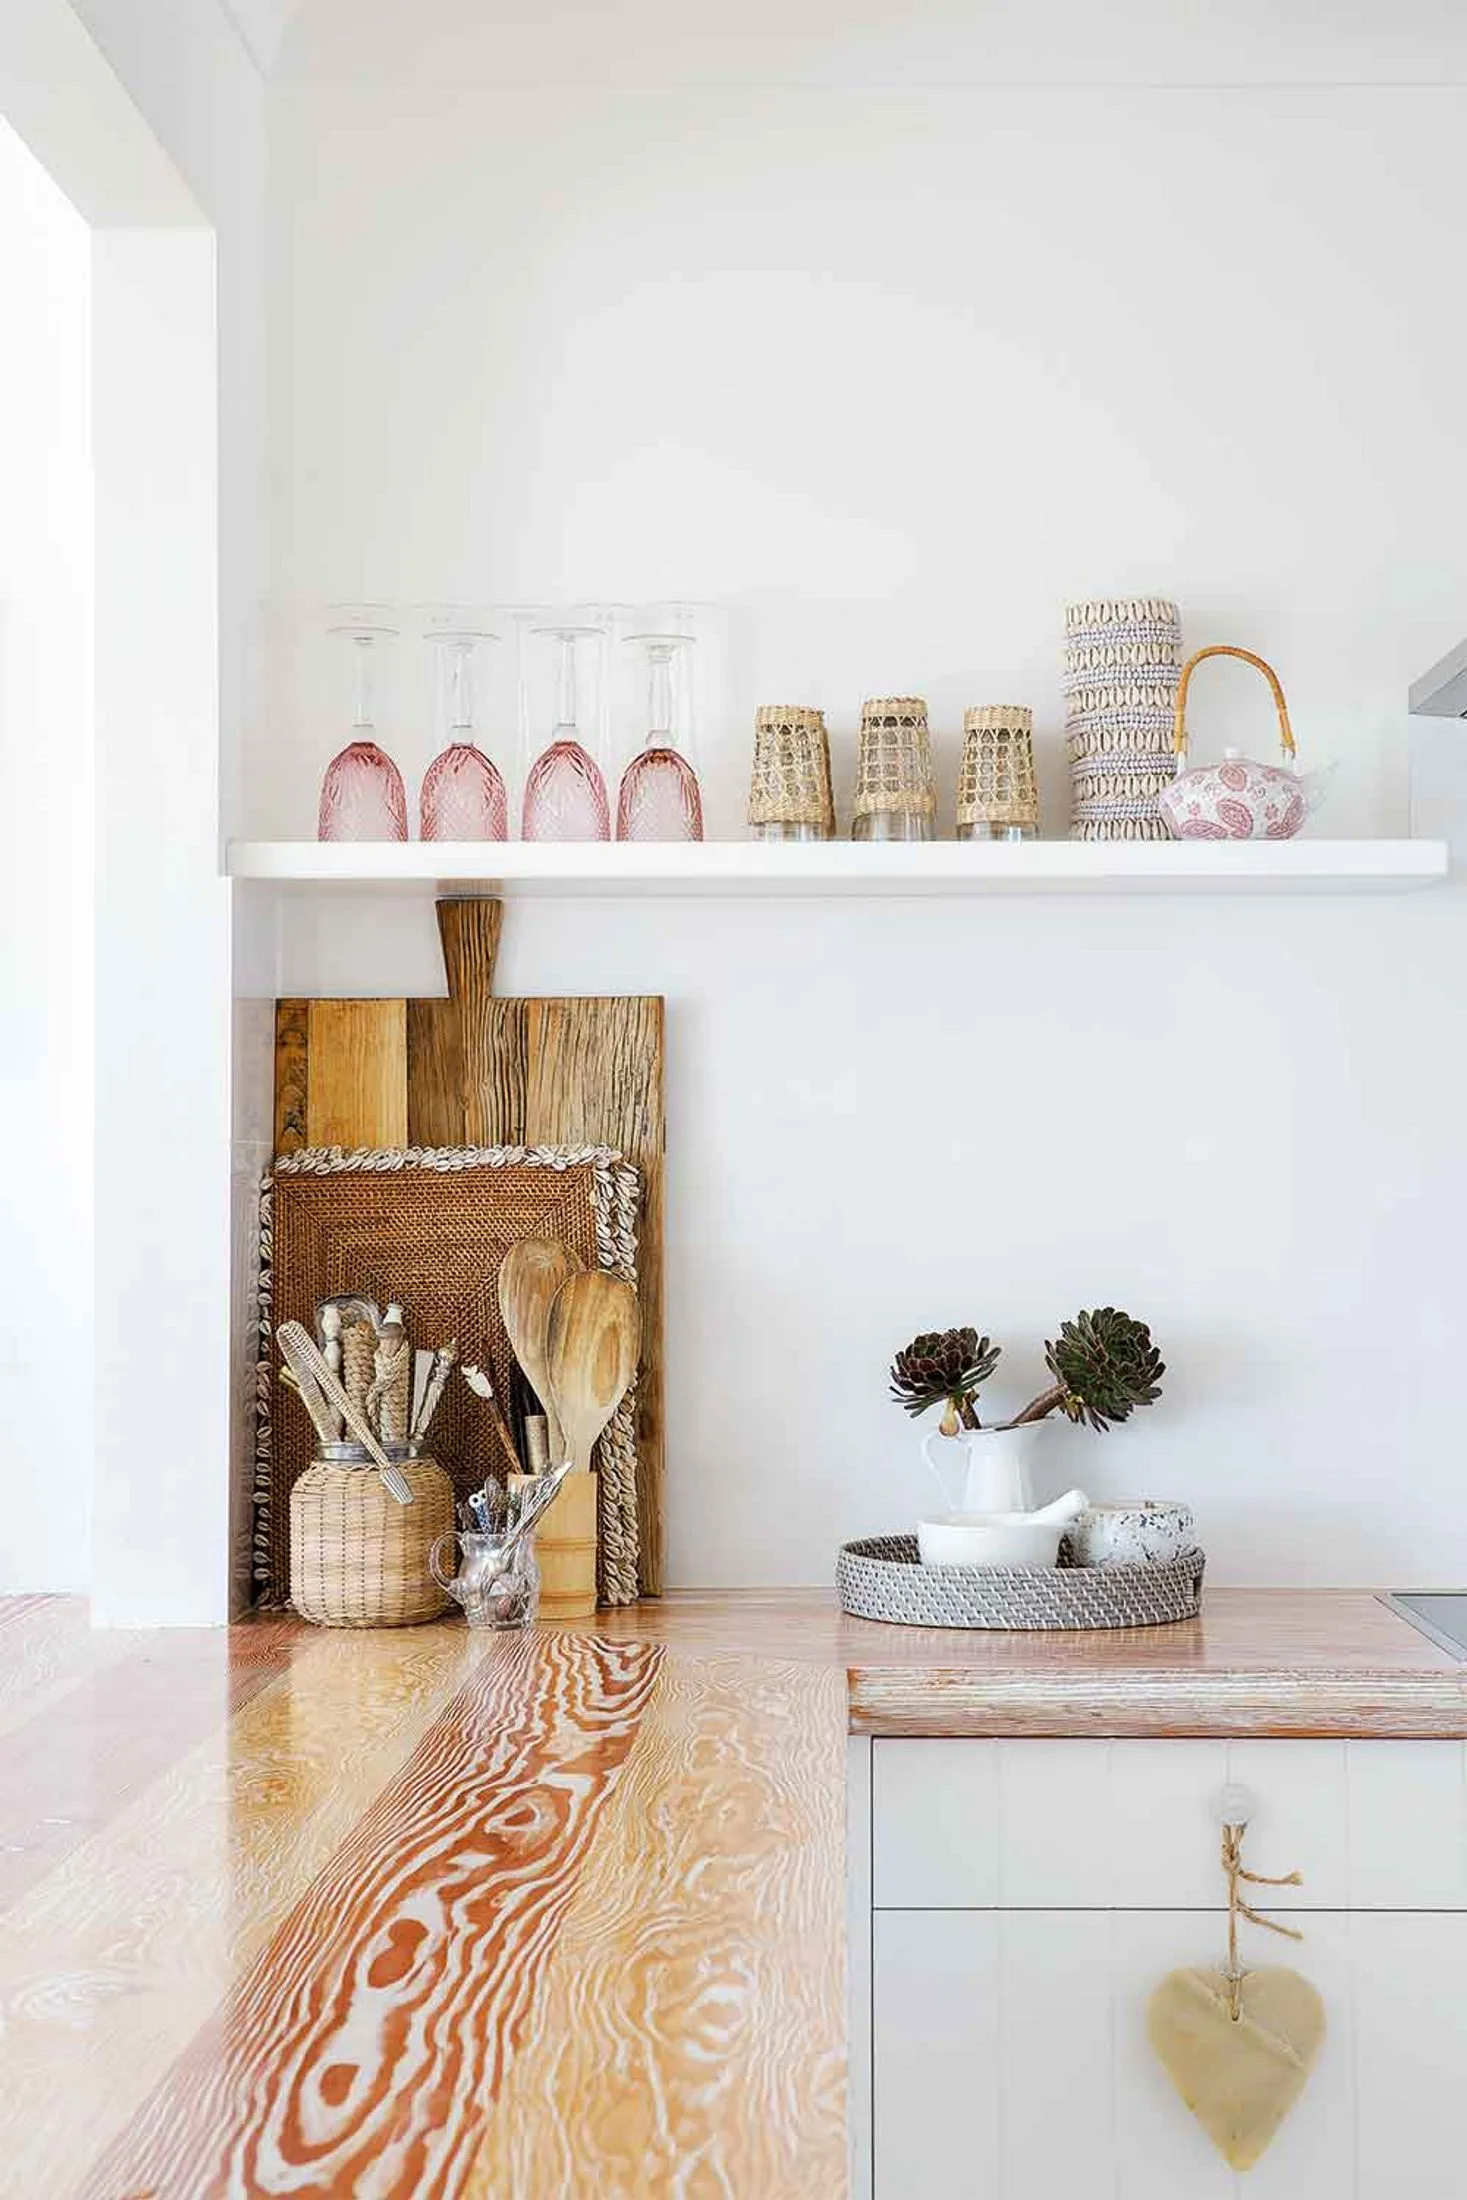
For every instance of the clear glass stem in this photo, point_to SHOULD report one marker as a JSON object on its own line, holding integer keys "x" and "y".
{"x": 565, "y": 707}
{"x": 364, "y": 713}
{"x": 659, "y": 697}
{"x": 458, "y": 675}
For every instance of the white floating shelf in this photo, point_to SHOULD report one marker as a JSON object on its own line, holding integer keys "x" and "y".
{"x": 843, "y": 867}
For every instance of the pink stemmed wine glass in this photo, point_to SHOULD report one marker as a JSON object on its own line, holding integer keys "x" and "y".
{"x": 463, "y": 794}
{"x": 659, "y": 797}
{"x": 565, "y": 794}
{"x": 362, "y": 794}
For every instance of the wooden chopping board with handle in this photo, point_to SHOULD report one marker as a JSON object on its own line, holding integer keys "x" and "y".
{"x": 479, "y": 1069}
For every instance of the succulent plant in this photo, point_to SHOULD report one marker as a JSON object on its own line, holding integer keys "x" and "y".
{"x": 1105, "y": 1365}
{"x": 944, "y": 1367}
{"x": 1103, "y": 1362}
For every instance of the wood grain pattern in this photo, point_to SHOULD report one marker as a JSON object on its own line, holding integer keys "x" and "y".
{"x": 594, "y": 1071}
{"x": 292, "y": 1074}
{"x": 693, "y": 2040}
{"x": 48, "y": 1648}
{"x": 130, "y": 1942}
{"x": 483, "y": 1069}
{"x": 357, "y": 1091}
{"x": 592, "y": 1343}
{"x": 340, "y": 1074}
{"x": 360, "y": 2053}
{"x": 1285, "y": 1663}
{"x": 1347, "y": 1704}
{"x": 431, "y": 1912}
{"x": 492, "y": 1063}
{"x": 480, "y": 1069}
{"x": 435, "y": 1074}
{"x": 530, "y": 1274}
{"x": 118, "y": 1727}
{"x": 565, "y": 1548}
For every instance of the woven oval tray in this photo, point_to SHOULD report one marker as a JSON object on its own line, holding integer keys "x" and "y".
{"x": 880, "y": 1577}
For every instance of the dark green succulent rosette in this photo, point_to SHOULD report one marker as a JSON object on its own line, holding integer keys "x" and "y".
{"x": 1105, "y": 1365}
{"x": 944, "y": 1367}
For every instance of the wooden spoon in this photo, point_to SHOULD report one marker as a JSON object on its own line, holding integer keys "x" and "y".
{"x": 594, "y": 1341}
{"x": 530, "y": 1274}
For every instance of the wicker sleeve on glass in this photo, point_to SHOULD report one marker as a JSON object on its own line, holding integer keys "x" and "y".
{"x": 894, "y": 768}
{"x": 790, "y": 784}
{"x": 996, "y": 784}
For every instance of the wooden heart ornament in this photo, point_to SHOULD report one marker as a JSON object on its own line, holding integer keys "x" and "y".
{"x": 1240, "y": 2077}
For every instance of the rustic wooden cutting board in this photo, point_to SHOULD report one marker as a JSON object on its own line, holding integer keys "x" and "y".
{"x": 340, "y": 1074}
{"x": 480, "y": 1070}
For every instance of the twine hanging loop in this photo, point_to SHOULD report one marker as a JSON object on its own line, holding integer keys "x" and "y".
{"x": 1238, "y": 1876}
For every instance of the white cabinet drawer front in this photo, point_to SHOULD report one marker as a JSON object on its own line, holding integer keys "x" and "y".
{"x": 1132, "y": 1825}
{"x": 1012, "y": 2063}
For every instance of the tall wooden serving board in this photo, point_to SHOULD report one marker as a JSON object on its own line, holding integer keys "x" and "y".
{"x": 477, "y": 1069}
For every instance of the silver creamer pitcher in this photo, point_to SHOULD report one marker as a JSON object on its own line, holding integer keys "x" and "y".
{"x": 498, "y": 1581}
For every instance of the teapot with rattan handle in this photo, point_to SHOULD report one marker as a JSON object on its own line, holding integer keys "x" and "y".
{"x": 1237, "y": 799}
{"x": 1260, "y": 664}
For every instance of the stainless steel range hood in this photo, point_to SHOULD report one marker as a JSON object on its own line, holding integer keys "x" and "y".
{"x": 1439, "y": 1613}
{"x": 1442, "y": 692}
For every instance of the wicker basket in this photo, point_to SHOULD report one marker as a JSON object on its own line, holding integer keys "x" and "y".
{"x": 882, "y": 1578}
{"x": 789, "y": 793}
{"x": 357, "y": 1557}
{"x": 996, "y": 787}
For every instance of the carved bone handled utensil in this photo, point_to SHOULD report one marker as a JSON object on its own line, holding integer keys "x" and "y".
{"x": 324, "y": 1419}
{"x": 530, "y": 1274}
{"x": 481, "y": 1383}
{"x": 594, "y": 1340}
{"x": 443, "y": 1362}
{"x": 309, "y": 1367}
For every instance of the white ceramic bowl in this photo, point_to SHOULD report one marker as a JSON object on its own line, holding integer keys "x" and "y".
{"x": 988, "y": 1539}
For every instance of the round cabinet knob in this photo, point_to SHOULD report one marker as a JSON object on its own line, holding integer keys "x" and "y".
{"x": 1234, "y": 1805}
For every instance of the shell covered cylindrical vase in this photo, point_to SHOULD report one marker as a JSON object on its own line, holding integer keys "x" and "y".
{"x": 789, "y": 790}
{"x": 895, "y": 798}
{"x": 1123, "y": 659}
{"x": 998, "y": 798}
{"x": 357, "y": 1557}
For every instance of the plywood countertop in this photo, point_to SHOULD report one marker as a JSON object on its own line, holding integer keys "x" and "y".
{"x": 426, "y": 1914}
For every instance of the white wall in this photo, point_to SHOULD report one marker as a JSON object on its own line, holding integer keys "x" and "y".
{"x": 850, "y": 322}
{"x": 178, "y": 1534}
{"x": 46, "y": 898}
{"x": 154, "y": 131}
{"x": 197, "y": 82}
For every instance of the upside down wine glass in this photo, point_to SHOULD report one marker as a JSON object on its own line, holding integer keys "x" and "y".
{"x": 659, "y": 798}
{"x": 362, "y": 795}
{"x": 565, "y": 794}
{"x": 463, "y": 794}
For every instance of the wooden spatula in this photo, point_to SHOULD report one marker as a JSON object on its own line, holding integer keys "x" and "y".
{"x": 530, "y": 1274}
{"x": 594, "y": 1339}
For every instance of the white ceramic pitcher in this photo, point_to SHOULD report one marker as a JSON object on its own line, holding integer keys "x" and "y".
{"x": 994, "y": 1463}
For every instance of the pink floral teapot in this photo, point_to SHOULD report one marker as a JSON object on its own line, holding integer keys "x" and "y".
{"x": 1237, "y": 799}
